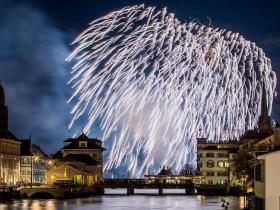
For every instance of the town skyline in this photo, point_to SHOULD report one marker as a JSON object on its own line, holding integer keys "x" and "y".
{"x": 44, "y": 90}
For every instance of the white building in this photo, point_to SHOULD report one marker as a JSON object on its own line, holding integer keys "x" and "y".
{"x": 267, "y": 182}
{"x": 214, "y": 161}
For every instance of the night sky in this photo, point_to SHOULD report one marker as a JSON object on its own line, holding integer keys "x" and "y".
{"x": 35, "y": 39}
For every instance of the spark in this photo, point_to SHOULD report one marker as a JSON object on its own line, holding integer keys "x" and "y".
{"x": 157, "y": 84}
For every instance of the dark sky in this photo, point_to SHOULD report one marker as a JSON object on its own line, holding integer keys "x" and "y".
{"x": 35, "y": 37}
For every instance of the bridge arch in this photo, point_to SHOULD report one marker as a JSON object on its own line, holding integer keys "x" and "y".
{"x": 42, "y": 195}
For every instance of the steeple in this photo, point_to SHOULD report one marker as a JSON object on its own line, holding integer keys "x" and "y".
{"x": 3, "y": 111}
{"x": 264, "y": 118}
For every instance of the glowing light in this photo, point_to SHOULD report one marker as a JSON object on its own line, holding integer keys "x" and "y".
{"x": 157, "y": 84}
{"x": 36, "y": 158}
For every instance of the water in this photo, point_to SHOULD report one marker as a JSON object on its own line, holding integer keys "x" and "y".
{"x": 123, "y": 202}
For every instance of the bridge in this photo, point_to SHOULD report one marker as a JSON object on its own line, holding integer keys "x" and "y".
{"x": 129, "y": 184}
{"x": 58, "y": 192}
{"x": 132, "y": 184}
{"x": 47, "y": 192}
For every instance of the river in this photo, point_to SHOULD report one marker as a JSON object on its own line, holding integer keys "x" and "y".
{"x": 117, "y": 200}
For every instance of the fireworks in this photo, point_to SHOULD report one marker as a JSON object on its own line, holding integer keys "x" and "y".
{"x": 157, "y": 84}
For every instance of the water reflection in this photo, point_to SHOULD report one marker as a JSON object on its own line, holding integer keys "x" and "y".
{"x": 137, "y": 202}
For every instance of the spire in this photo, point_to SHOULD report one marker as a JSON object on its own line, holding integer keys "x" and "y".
{"x": 3, "y": 111}
{"x": 2, "y": 95}
{"x": 264, "y": 118}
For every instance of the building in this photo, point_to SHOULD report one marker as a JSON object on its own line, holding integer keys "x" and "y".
{"x": 166, "y": 177}
{"x": 267, "y": 182}
{"x": 262, "y": 144}
{"x": 32, "y": 159}
{"x": 79, "y": 162}
{"x": 9, "y": 148}
{"x": 214, "y": 161}
{"x": 264, "y": 138}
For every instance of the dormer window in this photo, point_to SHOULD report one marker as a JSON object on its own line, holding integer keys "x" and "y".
{"x": 82, "y": 144}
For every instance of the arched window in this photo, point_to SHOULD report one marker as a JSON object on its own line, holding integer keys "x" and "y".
{"x": 210, "y": 164}
{"x": 220, "y": 164}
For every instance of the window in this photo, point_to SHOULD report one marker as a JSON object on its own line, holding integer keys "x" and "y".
{"x": 210, "y": 154}
{"x": 220, "y": 164}
{"x": 25, "y": 160}
{"x": 83, "y": 144}
{"x": 222, "y": 155}
{"x": 259, "y": 203}
{"x": 210, "y": 164}
{"x": 199, "y": 155}
{"x": 210, "y": 173}
{"x": 259, "y": 172}
{"x": 226, "y": 164}
{"x": 222, "y": 173}
{"x": 94, "y": 155}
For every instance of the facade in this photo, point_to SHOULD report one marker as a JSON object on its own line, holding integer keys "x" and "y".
{"x": 78, "y": 162}
{"x": 267, "y": 182}
{"x": 214, "y": 161}
{"x": 34, "y": 160}
{"x": 9, "y": 148}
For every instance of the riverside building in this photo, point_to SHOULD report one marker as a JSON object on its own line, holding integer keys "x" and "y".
{"x": 9, "y": 148}
{"x": 214, "y": 161}
{"x": 79, "y": 162}
{"x": 33, "y": 163}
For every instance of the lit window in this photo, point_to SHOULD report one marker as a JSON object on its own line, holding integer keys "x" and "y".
{"x": 221, "y": 164}
{"x": 226, "y": 164}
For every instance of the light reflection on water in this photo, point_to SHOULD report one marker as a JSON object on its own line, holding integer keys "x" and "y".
{"x": 123, "y": 202}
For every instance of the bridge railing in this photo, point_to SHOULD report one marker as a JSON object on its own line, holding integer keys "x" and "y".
{"x": 123, "y": 181}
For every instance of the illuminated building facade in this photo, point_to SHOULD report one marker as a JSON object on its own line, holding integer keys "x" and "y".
{"x": 79, "y": 162}
{"x": 9, "y": 148}
{"x": 214, "y": 161}
{"x": 32, "y": 160}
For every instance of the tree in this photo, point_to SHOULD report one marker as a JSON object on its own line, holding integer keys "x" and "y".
{"x": 188, "y": 170}
{"x": 243, "y": 169}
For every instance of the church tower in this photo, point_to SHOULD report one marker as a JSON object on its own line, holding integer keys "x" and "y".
{"x": 3, "y": 111}
{"x": 264, "y": 118}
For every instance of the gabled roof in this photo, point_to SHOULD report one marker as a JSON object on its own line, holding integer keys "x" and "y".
{"x": 83, "y": 158}
{"x": 7, "y": 135}
{"x": 92, "y": 143}
{"x": 82, "y": 137}
{"x": 37, "y": 149}
{"x": 256, "y": 135}
{"x": 57, "y": 155}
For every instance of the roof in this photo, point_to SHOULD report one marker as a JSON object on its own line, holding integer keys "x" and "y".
{"x": 254, "y": 134}
{"x": 83, "y": 158}
{"x": 25, "y": 147}
{"x": 92, "y": 143}
{"x": 164, "y": 171}
{"x": 57, "y": 155}
{"x": 82, "y": 137}
{"x": 268, "y": 154}
{"x": 7, "y": 135}
{"x": 37, "y": 149}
